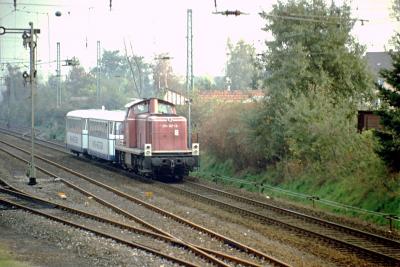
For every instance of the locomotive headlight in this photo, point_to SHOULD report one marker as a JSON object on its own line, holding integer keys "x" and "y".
{"x": 147, "y": 150}
{"x": 195, "y": 149}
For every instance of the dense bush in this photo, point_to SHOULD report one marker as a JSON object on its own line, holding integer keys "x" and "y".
{"x": 225, "y": 134}
{"x": 322, "y": 139}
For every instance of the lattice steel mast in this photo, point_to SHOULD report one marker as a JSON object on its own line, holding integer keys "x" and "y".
{"x": 189, "y": 71}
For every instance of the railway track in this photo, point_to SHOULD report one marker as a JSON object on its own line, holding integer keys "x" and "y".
{"x": 230, "y": 242}
{"x": 380, "y": 249}
{"x": 16, "y": 199}
{"x": 60, "y": 147}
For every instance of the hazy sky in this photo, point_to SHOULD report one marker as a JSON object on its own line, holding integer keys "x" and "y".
{"x": 155, "y": 27}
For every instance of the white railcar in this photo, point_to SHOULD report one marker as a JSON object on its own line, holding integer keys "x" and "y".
{"x": 104, "y": 129}
{"x": 76, "y": 134}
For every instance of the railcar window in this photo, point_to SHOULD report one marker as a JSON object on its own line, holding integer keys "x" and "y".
{"x": 74, "y": 125}
{"x": 119, "y": 129}
{"x": 98, "y": 129}
{"x": 165, "y": 108}
{"x": 111, "y": 127}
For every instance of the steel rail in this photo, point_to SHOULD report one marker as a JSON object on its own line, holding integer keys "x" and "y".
{"x": 306, "y": 218}
{"x": 165, "y": 237}
{"x": 97, "y": 232}
{"x": 196, "y": 249}
{"x": 299, "y": 215}
{"x": 145, "y": 204}
{"x": 329, "y": 224}
{"x": 374, "y": 254}
{"x": 59, "y": 147}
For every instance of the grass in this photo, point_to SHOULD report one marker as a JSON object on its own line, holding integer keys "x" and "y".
{"x": 6, "y": 260}
{"x": 369, "y": 194}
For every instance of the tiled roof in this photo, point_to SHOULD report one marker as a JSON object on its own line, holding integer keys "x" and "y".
{"x": 231, "y": 96}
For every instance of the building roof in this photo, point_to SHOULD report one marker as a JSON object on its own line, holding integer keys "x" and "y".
{"x": 378, "y": 61}
{"x": 231, "y": 96}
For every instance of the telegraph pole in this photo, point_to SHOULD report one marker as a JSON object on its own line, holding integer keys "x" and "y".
{"x": 29, "y": 39}
{"x": 32, "y": 79}
{"x": 189, "y": 72}
{"x": 98, "y": 93}
{"x": 58, "y": 76}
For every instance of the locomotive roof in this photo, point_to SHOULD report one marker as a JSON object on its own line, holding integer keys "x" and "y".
{"x": 99, "y": 114}
{"x": 133, "y": 102}
{"x": 139, "y": 100}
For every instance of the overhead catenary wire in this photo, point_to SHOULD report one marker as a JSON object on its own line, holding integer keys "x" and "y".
{"x": 33, "y": 4}
{"x": 304, "y": 18}
{"x": 6, "y": 15}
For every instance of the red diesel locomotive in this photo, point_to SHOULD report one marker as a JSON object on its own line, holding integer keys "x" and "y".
{"x": 155, "y": 140}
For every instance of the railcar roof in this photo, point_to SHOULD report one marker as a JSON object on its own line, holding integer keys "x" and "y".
{"x": 99, "y": 114}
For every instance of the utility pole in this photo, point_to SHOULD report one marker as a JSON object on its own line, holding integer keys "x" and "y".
{"x": 8, "y": 106}
{"x": 29, "y": 39}
{"x": 189, "y": 72}
{"x": 98, "y": 93}
{"x": 58, "y": 76}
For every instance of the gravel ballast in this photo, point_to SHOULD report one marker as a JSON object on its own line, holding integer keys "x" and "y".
{"x": 276, "y": 242}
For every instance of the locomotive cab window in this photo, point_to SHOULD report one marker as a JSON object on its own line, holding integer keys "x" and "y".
{"x": 141, "y": 108}
{"x": 165, "y": 108}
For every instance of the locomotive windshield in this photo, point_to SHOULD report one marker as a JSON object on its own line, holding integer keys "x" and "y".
{"x": 164, "y": 108}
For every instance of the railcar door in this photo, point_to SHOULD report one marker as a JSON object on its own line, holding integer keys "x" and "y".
{"x": 85, "y": 140}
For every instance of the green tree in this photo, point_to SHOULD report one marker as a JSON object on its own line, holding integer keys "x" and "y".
{"x": 16, "y": 98}
{"x": 79, "y": 88}
{"x": 241, "y": 69}
{"x": 204, "y": 83}
{"x": 129, "y": 75}
{"x": 113, "y": 65}
{"x": 313, "y": 49}
{"x": 396, "y": 9}
{"x": 164, "y": 77}
{"x": 389, "y": 113}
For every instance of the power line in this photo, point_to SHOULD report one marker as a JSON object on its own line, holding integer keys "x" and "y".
{"x": 33, "y": 4}
{"x": 7, "y": 14}
{"x": 30, "y": 12}
{"x": 305, "y": 18}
